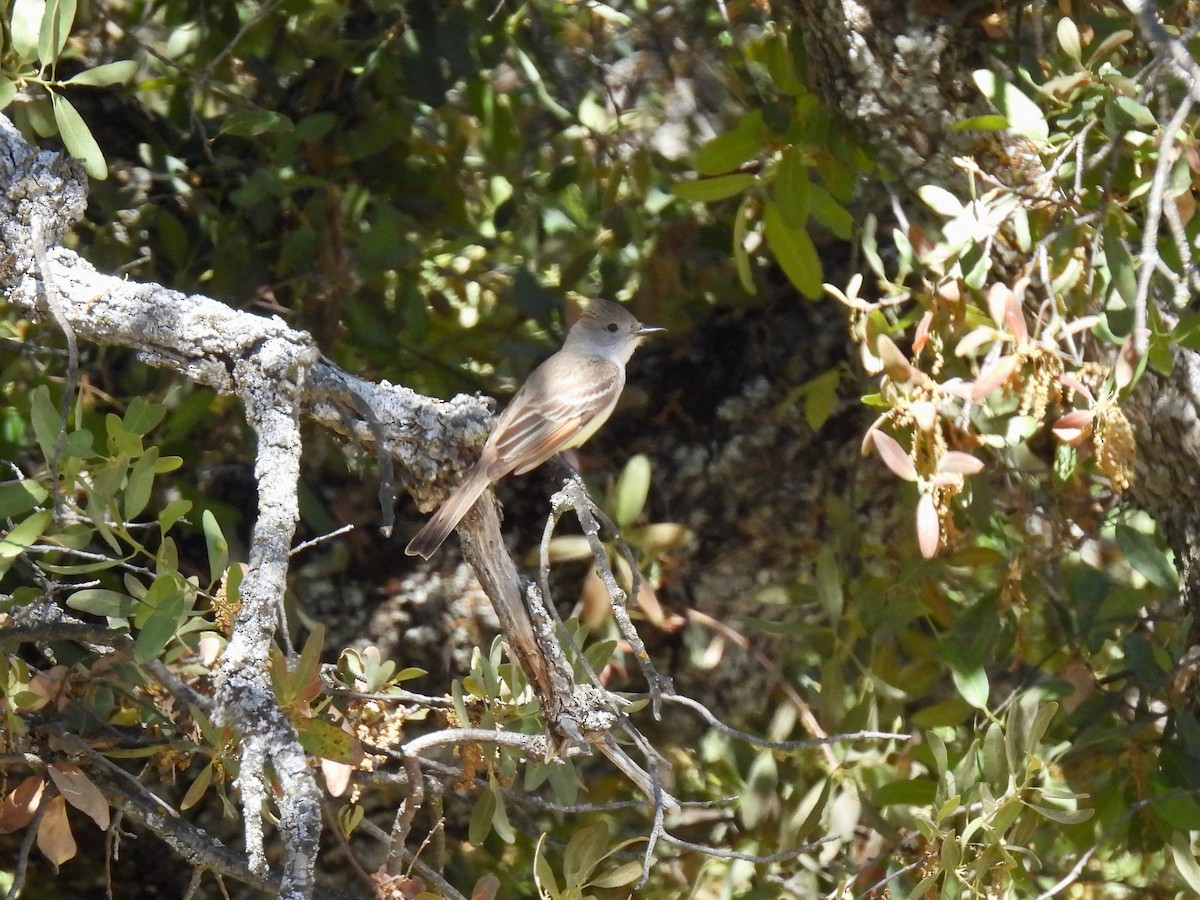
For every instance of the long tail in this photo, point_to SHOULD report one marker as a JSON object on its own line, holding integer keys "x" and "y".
{"x": 438, "y": 528}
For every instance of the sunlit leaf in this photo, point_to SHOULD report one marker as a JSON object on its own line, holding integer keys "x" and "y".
{"x": 80, "y": 791}
{"x": 894, "y": 456}
{"x": 1068, "y": 38}
{"x": 78, "y": 138}
{"x": 728, "y": 151}
{"x": 929, "y": 527}
{"x": 55, "y": 28}
{"x": 110, "y": 73}
{"x": 101, "y": 602}
{"x": 972, "y": 685}
{"x": 633, "y": 487}
{"x": 710, "y": 190}
{"x": 1145, "y": 556}
{"x": 21, "y": 803}
{"x": 1022, "y": 113}
{"x": 16, "y": 541}
{"x": 794, "y": 251}
{"x": 26, "y": 26}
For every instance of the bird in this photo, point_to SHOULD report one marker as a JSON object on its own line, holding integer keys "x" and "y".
{"x": 561, "y": 404}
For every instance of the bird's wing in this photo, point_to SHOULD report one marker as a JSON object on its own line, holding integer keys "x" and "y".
{"x": 559, "y": 406}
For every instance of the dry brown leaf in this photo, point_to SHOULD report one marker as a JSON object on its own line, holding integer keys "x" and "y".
{"x": 54, "y": 836}
{"x": 80, "y": 792}
{"x": 21, "y": 803}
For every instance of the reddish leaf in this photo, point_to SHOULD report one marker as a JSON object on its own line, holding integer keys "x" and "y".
{"x": 956, "y": 387}
{"x": 1127, "y": 362}
{"x": 895, "y": 365}
{"x": 997, "y": 302}
{"x": 993, "y": 377}
{"x": 925, "y": 414}
{"x": 54, "y": 836}
{"x": 922, "y": 335}
{"x": 1073, "y": 428}
{"x": 20, "y": 805}
{"x": 894, "y": 456}
{"x": 80, "y": 792}
{"x": 974, "y": 339}
{"x": 929, "y": 529}
{"x": 337, "y": 776}
{"x": 949, "y": 290}
{"x": 963, "y": 463}
{"x": 1014, "y": 316}
{"x": 1072, "y": 383}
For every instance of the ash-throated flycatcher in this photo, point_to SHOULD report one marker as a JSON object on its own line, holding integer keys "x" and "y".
{"x": 560, "y": 406}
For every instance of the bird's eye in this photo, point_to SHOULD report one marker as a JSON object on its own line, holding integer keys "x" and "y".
{"x": 612, "y": 326}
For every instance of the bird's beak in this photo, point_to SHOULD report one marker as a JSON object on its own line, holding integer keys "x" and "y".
{"x": 643, "y": 330}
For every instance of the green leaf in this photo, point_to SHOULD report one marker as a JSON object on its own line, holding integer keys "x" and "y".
{"x": 995, "y": 756}
{"x": 794, "y": 251}
{"x": 255, "y": 122}
{"x": 940, "y": 200}
{"x": 543, "y": 871}
{"x": 160, "y": 627}
{"x": 829, "y": 584}
{"x": 55, "y": 28}
{"x": 172, "y": 513}
{"x": 480, "y": 825}
{"x": 1185, "y": 860}
{"x": 81, "y": 568}
{"x": 142, "y": 416}
{"x": 1023, "y": 114}
{"x": 633, "y": 487}
{"x": 218, "y": 547}
{"x": 626, "y": 873}
{"x": 1134, "y": 114}
{"x": 99, "y": 602}
{"x": 140, "y": 483}
{"x": 990, "y": 122}
{"x": 8, "y": 90}
{"x": 759, "y": 798}
{"x": 741, "y": 259}
{"x": 1146, "y": 557}
{"x": 585, "y": 850}
{"x": 821, "y": 398}
{"x": 972, "y": 685}
{"x": 831, "y": 214}
{"x": 17, "y": 497}
{"x": 320, "y": 737}
{"x": 78, "y": 138}
{"x": 46, "y": 420}
{"x": 710, "y": 190}
{"x": 907, "y": 792}
{"x": 22, "y": 536}
{"x": 727, "y": 151}
{"x": 310, "y": 658}
{"x": 110, "y": 73}
{"x": 793, "y": 188}
{"x": 1068, "y": 38}
{"x": 26, "y": 26}
{"x": 1062, "y": 816}
{"x": 196, "y": 791}
{"x": 564, "y": 784}
{"x": 1037, "y": 729}
{"x": 500, "y": 823}
{"x": 1122, "y": 269}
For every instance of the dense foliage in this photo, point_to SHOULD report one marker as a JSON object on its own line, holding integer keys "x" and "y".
{"x": 424, "y": 186}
